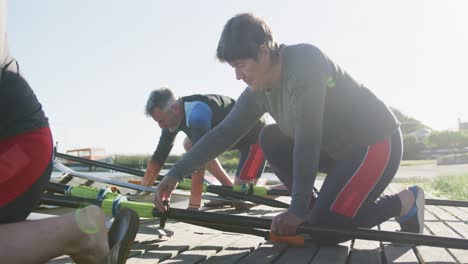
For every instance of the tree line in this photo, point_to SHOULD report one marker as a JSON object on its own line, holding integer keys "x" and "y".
{"x": 454, "y": 141}
{"x": 413, "y": 146}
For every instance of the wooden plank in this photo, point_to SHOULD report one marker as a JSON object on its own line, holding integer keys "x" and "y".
{"x": 204, "y": 250}
{"x": 391, "y": 189}
{"x": 433, "y": 254}
{"x": 146, "y": 241}
{"x": 398, "y": 187}
{"x": 236, "y": 251}
{"x": 460, "y": 227}
{"x": 429, "y": 216}
{"x": 464, "y": 209}
{"x": 298, "y": 254}
{"x": 332, "y": 254}
{"x": 441, "y": 229}
{"x": 394, "y": 252}
{"x": 266, "y": 253}
{"x": 365, "y": 251}
{"x": 441, "y": 214}
{"x": 147, "y": 231}
{"x": 173, "y": 246}
{"x": 457, "y": 212}
{"x": 388, "y": 190}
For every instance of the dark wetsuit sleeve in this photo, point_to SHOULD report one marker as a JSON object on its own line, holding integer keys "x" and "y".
{"x": 166, "y": 142}
{"x": 237, "y": 123}
{"x": 199, "y": 121}
{"x": 308, "y": 97}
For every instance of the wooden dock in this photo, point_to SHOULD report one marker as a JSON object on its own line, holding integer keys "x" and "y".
{"x": 193, "y": 244}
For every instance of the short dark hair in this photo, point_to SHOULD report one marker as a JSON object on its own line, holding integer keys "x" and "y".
{"x": 158, "y": 98}
{"x": 242, "y": 36}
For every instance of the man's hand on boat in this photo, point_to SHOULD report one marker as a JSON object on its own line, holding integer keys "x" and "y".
{"x": 164, "y": 191}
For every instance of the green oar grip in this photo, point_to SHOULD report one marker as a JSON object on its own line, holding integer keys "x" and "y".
{"x": 257, "y": 190}
{"x": 90, "y": 193}
{"x": 144, "y": 210}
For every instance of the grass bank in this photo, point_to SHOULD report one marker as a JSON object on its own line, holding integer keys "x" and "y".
{"x": 417, "y": 162}
{"x": 448, "y": 186}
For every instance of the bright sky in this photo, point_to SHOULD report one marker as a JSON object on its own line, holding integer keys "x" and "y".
{"x": 93, "y": 63}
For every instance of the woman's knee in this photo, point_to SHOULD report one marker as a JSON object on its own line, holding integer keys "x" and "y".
{"x": 187, "y": 144}
{"x": 268, "y": 137}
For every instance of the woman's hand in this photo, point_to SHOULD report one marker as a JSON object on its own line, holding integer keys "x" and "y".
{"x": 285, "y": 224}
{"x": 163, "y": 192}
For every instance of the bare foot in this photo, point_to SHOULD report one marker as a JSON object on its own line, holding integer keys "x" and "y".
{"x": 91, "y": 244}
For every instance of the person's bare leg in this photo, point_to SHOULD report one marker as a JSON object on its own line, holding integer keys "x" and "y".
{"x": 197, "y": 189}
{"x": 215, "y": 168}
{"x": 197, "y": 182}
{"x": 41, "y": 240}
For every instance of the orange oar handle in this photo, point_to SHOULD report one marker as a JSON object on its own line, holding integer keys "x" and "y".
{"x": 297, "y": 241}
{"x": 134, "y": 181}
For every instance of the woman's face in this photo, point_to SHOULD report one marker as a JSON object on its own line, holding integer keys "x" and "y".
{"x": 255, "y": 73}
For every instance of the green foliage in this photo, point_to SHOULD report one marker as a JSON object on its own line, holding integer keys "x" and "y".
{"x": 412, "y": 147}
{"x": 407, "y": 163}
{"x": 229, "y": 160}
{"x": 453, "y": 187}
{"x": 447, "y": 139}
{"x": 453, "y": 159}
{"x": 447, "y": 186}
{"x": 228, "y": 155}
{"x": 408, "y": 124}
{"x": 132, "y": 161}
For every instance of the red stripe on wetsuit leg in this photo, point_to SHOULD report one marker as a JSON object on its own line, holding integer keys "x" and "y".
{"x": 253, "y": 163}
{"x": 25, "y": 156}
{"x": 354, "y": 193}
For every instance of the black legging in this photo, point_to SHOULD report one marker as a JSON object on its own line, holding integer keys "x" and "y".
{"x": 333, "y": 206}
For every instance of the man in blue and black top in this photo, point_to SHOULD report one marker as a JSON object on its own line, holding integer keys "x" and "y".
{"x": 195, "y": 115}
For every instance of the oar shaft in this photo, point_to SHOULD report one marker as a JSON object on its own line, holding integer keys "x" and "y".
{"x": 274, "y": 192}
{"x": 67, "y": 201}
{"x": 104, "y": 165}
{"x": 318, "y": 231}
{"x": 252, "y": 198}
{"x": 241, "y": 222}
{"x": 278, "y": 192}
{"x": 57, "y": 188}
{"x": 440, "y": 202}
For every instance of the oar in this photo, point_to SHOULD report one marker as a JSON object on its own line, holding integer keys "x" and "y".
{"x": 72, "y": 202}
{"x": 317, "y": 231}
{"x": 242, "y": 224}
{"x": 101, "y": 164}
{"x": 81, "y": 191}
{"x": 106, "y": 193}
{"x": 257, "y": 191}
{"x": 227, "y": 191}
{"x": 88, "y": 176}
